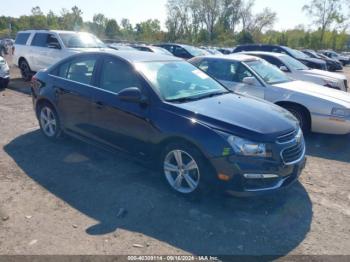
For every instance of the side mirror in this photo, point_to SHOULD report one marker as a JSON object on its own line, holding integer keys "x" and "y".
{"x": 54, "y": 45}
{"x": 250, "y": 81}
{"x": 132, "y": 95}
{"x": 284, "y": 69}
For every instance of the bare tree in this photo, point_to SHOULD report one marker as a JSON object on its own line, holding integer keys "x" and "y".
{"x": 325, "y": 13}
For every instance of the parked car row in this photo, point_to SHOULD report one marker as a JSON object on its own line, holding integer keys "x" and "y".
{"x": 233, "y": 120}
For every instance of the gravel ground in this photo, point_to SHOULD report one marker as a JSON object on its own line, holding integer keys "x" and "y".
{"x": 72, "y": 198}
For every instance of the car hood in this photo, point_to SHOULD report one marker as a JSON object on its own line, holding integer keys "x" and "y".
{"x": 322, "y": 92}
{"x": 326, "y": 74}
{"x": 244, "y": 116}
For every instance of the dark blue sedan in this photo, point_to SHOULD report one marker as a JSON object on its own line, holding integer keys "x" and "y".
{"x": 164, "y": 109}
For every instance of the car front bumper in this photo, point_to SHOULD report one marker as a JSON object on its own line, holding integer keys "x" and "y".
{"x": 249, "y": 177}
{"x": 327, "y": 124}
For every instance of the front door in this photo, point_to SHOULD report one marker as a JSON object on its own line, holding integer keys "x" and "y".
{"x": 120, "y": 124}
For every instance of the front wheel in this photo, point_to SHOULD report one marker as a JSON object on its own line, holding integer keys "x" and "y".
{"x": 25, "y": 70}
{"x": 49, "y": 122}
{"x": 184, "y": 168}
{"x": 302, "y": 117}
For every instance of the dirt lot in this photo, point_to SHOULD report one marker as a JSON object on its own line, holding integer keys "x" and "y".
{"x": 72, "y": 198}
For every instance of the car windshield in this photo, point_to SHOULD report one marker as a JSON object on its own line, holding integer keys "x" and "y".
{"x": 180, "y": 81}
{"x": 268, "y": 72}
{"x": 122, "y": 47}
{"x": 81, "y": 40}
{"x": 195, "y": 51}
{"x": 293, "y": 63}
{"x": 295, "y": 53}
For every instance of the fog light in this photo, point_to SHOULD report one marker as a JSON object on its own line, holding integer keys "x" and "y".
{"x": 259, "y": 176}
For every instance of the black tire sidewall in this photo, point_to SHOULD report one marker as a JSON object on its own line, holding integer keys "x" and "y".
{"x": 28, "y": 77}
{"x": 300, "y": 116}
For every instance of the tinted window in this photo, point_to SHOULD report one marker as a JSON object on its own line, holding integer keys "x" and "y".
{"x": 40, "y": 39}
{"x": 180, "y": 52}
{"x": 51, "y": 39}
{"x": 22, "y": 38}
{"x": 79, "y": 70}
{"x": 225, "y": 70}
{"x": 272, "y": 60}
{"x": 117, "y": 75}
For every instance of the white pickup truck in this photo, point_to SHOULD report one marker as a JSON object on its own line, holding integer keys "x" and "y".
{"x": 39, "y": 49}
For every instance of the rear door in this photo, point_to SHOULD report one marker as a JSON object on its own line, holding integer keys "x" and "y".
{"x": 73, "y": 83}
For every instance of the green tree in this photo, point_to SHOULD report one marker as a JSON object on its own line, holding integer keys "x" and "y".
{"x": 244, "y": 37}
{"x": 112, "y": 28}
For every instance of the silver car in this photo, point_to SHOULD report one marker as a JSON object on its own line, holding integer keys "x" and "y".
{"x": 4, "y": 73}
{"x": 318, "y": 109}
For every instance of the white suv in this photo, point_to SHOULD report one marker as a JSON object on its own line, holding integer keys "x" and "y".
{"x": 39, "y": 49}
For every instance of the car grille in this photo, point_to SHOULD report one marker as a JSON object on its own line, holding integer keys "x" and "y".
{"x": 287, "y": 137}
{"x": 293, "y": 153}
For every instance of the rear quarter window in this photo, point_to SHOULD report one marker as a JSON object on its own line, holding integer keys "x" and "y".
{"x": 22, "y": 38}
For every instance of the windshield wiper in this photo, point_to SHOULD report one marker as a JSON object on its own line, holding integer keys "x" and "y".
{"x": 213, "y": 94}
{"x": 194, "y": 98}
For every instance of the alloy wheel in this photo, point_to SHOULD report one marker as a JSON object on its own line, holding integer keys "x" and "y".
{"x": 181, "y": 171}
{"x": 48, "y": 121}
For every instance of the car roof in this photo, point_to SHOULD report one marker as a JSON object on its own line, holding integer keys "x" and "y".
{"x": 137, "y": 56}
{"x": 264, "y": 53}
{"x": 236, "y": 57}
{"x": 48, "y": 30}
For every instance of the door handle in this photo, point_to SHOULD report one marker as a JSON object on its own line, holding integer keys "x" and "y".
{"x": 99, "y": 104}
{"x": 60, "y": 90}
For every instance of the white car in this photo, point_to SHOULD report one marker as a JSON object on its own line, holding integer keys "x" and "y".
{"x": 39, "y": 49}
{"x": 318, "y": 109}
{"x": 4, "y": 73}
{"x": 299, "y": 71}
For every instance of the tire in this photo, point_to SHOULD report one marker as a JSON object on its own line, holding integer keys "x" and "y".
{"x": 49, "y": 122}
{"x": 25, "y": 70}
{"x": 3, "y": 83}
{"x": 302, "y": 116}
{"x": 184, "y": 169}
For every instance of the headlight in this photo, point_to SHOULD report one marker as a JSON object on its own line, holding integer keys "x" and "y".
{"x": 246, "y": 148}
{"x": 331, "y": 83}
{"x": 341, "y": 112}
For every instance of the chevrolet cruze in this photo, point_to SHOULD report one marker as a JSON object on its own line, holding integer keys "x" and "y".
{"x": 164, "y": 109}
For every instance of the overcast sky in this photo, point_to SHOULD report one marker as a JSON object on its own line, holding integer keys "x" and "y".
{"x": 289, "y": 12}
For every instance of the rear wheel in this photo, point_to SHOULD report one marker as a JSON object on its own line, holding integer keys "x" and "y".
{"x": 301, "y": 115}
{"x": 49, "y": 122}
{"x": 25, "y": 70}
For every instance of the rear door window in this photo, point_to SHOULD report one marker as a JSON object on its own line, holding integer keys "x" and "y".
{"x": 79, "y": 70}
{"x": 40, "y": 40}
{"x": 22, "y": 38}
